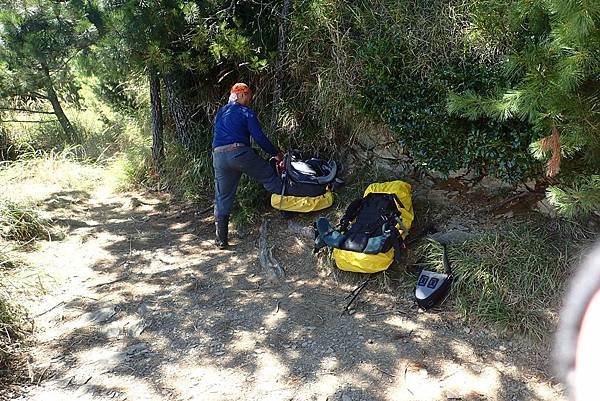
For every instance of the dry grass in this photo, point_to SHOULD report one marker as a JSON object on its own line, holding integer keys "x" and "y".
{"x": 15, "y": 327}
{"x": 36, "y": 175}
{"x": 33, "y": 179}
{"x": 22, "y": 223}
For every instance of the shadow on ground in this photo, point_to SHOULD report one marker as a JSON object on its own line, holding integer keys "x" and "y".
{"x": 164, "y": 315}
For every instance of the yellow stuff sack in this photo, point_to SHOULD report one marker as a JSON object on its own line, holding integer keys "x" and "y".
{"x": 366, "y": 263}
{"x": 302, "y": 204}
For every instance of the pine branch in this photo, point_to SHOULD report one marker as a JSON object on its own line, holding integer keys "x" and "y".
{"x": 39, "y": 95}
{"x": 26, "y": 110}
{"x": 28, "y": 121}
{"x": 579, "y": 200}
{"x": 552, "y": 143}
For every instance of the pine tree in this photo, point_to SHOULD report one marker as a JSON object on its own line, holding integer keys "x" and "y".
{"x": 40, "y": 39}
{"x": 556, "y": 69}
{"x": 193, "y": 48}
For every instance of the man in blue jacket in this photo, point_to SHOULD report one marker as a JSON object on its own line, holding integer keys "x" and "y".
{"x": 235, "y": 124}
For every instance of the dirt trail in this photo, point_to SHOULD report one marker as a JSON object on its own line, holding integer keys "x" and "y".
{"x": 145, "y": 308}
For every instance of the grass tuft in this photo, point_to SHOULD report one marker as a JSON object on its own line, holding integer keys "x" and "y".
{"x": 14, "y": 329}
{"x": 7, "y": 260}
{"x": 11, "y": 331}
{"x": 512, "y": 276}
{"x": 21, "y": 223}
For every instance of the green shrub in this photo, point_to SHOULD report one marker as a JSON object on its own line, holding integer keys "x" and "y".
{"x": 551, "y": 59}
{"x": 362, "y": 65}
{"x": 251, "y": 201}
{"x": 9, "y": 150}
{"x": 187, "y": 174}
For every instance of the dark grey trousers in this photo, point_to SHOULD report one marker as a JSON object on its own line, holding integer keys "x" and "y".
{"x": 230, "y": 165}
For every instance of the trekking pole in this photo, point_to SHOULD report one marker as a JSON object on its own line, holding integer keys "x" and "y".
{"x": 283, "y": 181}
{"x": 355, "y": 293}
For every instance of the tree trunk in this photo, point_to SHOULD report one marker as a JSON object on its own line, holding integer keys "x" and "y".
{"x": 158, "y": 149}
{"x": 56, "y": 107}
{"x": 281, "y": 59}
{"x": 180, "y": 112}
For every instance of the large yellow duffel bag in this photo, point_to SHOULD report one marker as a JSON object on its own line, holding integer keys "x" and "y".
{"x": 302, "y": 204}
{"x": 373, "y": 263}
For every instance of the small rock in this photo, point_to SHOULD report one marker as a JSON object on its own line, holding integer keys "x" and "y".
{"x": 452, "y": 236}
{"x": 477, "y": 369}
{"x": 502, "y": 348}
{"x": 492, "y": 186}
{"x": 304, "y": 344}
{"x": 142, "y": 309}
{"x": 101, "y": 315}
{"x": 136, "y": 348}
{"x": 453, "y": 395}
{"x": 219, "y": 353}
{"x": 137, "y": 328}
{"x": 428, "y": 182}
{"x": 544, "y": 207}
{"x": 467, "y": 330}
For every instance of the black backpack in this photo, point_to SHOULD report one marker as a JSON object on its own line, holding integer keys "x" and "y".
{"x": 368, "y": 226}
{"x": 308, "y": 177}
{"x": 369, "y": 223}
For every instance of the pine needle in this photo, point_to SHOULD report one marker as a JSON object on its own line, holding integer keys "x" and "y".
{"x": 552, "y": 142}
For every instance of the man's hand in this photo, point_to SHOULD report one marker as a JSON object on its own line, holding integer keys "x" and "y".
{"x": 279, "y": 157}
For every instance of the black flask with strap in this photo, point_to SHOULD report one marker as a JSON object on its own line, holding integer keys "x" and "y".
{"x": 433, "y": 287}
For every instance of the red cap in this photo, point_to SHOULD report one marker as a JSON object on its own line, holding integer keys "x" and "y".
{"x": 240, "y": 87}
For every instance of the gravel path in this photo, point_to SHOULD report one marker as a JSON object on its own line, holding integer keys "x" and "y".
{"x": 145, "y": 308}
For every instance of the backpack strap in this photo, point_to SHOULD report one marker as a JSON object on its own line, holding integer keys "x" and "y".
{"x": 400, "y": 205}
{"x": 350, "y": 213}
{"x": 397, "y": 244}
{"x": 447, "y": 267}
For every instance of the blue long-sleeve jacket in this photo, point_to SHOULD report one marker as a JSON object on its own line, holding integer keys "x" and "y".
{"x": 236, "y": 123}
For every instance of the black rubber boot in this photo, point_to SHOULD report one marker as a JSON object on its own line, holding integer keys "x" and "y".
{"x": 222, "y": 232}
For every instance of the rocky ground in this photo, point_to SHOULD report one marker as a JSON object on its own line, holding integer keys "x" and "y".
{"x": 143, "y": 307}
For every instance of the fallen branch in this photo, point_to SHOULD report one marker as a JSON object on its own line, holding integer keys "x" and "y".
{"x": 265, "y": 255}
{"x": 125, "y": 277}
{"x": 26, "y": 110}
{"x": 48, "y": 310}
{"x": 385, "y": 372}
{"x": 505, "y": 202}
